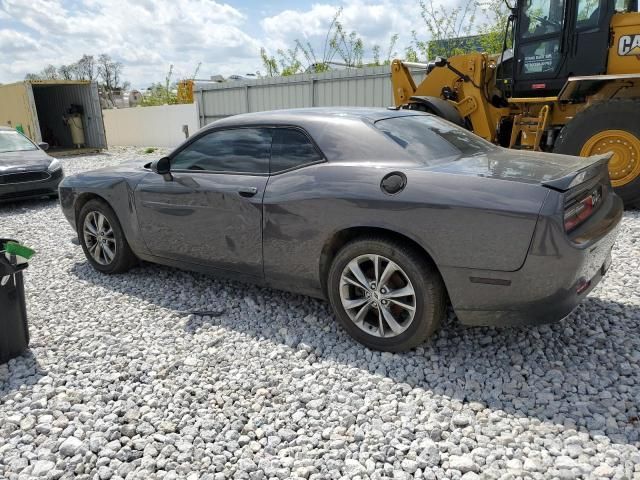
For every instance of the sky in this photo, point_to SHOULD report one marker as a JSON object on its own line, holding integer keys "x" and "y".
{"x": 149, "y": 35}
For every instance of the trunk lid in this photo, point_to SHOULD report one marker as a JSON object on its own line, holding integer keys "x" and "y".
{"x": 560, "y": 172}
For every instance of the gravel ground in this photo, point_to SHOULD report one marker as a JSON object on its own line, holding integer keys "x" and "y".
{"x": 122, "y": 382}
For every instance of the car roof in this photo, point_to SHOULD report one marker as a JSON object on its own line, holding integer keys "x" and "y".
{"x": 342, "y": 133}
{"x": 300, "y": 116}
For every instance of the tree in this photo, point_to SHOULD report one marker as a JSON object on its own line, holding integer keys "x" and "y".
{"x": 390, "y": 54}
{"x": 85, "y": 68}
{"x": 348, "y": 46}
{"x": 50, "y": 72}
{"x": 161, "y": 93}
{"x": 66, "y": 72}
{"x": 289, "y": 61}
{"x": 446, "y": 27}
{"x": 493, "y": 30}
{"x": 455, "y": 31}
{"x": 270, "y": 64}
{"x": 410, "y": 54}
{"x": 109, "y": 72}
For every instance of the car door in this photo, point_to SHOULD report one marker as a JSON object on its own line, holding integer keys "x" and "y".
{"x": 209, "y": 210}
{"x": 288, "y": 227}
{"x": 540, "y": 48}
{"x": 590, "y": 37}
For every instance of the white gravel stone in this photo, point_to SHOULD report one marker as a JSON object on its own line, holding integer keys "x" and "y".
{"x": 470, "y": 476}
{"x": 463, "y": 463}
{"x": 604, "y": 471}
{"x": 71, "y": 446}
{"x": 42, "y": 468}
{"x": 121, "y": 382}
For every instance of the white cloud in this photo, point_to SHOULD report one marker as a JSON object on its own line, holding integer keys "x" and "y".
{"x": 374, "y": 21}
{"x": 147, "y": 36}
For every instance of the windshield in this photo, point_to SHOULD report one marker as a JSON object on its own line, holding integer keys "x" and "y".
{"x": 541, "y": 17}
{"x": 432, "y": 140}
{"x": 12, "y": 141}
{"x": 627, "y": 6}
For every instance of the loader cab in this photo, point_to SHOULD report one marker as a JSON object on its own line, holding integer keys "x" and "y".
{"x": 557, "y": 39}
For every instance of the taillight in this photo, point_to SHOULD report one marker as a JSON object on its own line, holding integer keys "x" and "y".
{"x": 576, "y": 212}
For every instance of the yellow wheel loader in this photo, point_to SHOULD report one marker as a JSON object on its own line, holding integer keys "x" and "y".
{"x": 570, "y": 84}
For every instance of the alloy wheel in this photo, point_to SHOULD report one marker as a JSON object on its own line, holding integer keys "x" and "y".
{"x": 99, "y": 238}
{"x": 377, "y": 295}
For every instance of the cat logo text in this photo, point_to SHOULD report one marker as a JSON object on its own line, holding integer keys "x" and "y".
{"x": 629, "y": 45}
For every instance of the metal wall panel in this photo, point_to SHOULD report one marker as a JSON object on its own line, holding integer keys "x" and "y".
{"x": 159, "y": 126}
{"x": 363, "y": 87}
{"x": 54, "y": 100}
{"x": 16, "y": 109}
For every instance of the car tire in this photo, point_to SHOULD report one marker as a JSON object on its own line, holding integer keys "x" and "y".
{"x": 415, "y": 275}
{"x": 106, "y": 249}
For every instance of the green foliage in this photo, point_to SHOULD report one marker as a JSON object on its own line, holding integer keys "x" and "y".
{"x": 493, "y": 30}
{"x": 150, "y": 150}
{"x": 446, "y": 26}
{"x": 449, "y": 31}
{"x": 410, "y": 54}
{"x": 457, "y": 30}
{"x": 346, "y": 46}
{"x": 289, "y": 61}
{"x": 390, "y": 53}
{"x": 161, "y": 93}
{"x": 270, "y": 64}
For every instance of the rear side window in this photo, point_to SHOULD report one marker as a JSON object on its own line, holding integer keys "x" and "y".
{"x": 239, "y": 150}
{"x": 432, "y": 140}
{"x": 291, "y": 148}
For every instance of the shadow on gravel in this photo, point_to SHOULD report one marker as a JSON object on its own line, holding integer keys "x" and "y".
{"x": 578, "y": 373}
{"x": 23, "y": 370}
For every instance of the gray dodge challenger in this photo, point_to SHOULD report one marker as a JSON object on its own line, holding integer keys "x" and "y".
{"x": 390, "y": 215}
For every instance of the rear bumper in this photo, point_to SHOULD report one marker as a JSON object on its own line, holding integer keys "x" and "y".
{"x": 556, "y": 276}
{"x": 35, "y": 189}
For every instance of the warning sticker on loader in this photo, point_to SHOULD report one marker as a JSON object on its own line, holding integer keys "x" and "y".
{"x": 629, "y": 45}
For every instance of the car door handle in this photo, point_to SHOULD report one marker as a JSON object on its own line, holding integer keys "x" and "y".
{"x": 247, "y": 191}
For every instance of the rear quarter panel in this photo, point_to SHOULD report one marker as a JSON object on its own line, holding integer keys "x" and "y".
{"x": 461, "y": 221}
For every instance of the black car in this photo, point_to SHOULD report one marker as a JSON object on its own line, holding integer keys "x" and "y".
{"x": 26, "y": 171}
{"x": 388, "y": 214}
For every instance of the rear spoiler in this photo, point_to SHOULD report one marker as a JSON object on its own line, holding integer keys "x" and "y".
{"x": 592, "y": 166}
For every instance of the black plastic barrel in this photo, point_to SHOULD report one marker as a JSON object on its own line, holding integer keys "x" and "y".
{"x": 14, "y": 330}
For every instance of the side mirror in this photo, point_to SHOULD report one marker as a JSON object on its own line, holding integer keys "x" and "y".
{"x": 44, "y": 145}
{"x": 162, "y": 166}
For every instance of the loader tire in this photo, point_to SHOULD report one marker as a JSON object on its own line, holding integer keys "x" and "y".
{"x": 611, "y": 126}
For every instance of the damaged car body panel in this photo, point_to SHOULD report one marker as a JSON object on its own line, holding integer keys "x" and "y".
{"x": 493, "y": 222}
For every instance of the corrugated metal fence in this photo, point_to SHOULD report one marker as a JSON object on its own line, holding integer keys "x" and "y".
{"x": 362, "y": 87}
